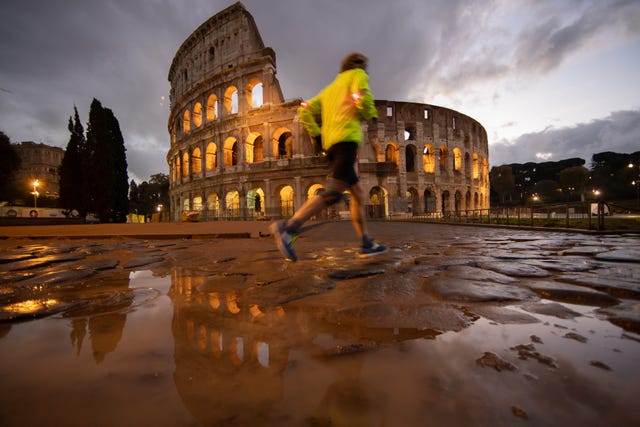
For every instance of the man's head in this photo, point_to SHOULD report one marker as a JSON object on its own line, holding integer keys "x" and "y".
{"x": 354, "y": 60}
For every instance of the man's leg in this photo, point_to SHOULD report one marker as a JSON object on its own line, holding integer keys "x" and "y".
{"x": 357, "y": 208}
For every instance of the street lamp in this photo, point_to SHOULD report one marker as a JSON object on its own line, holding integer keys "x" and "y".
{"x": 636, "y": 182}
{"x": 35, "y": 193}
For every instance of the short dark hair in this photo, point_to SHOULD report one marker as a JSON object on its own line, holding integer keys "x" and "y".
{"x": 354, "y": 60}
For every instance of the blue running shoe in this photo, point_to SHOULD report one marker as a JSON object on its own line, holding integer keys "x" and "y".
{"x": 284, "y": 240}
{"x": 375, "y": 249}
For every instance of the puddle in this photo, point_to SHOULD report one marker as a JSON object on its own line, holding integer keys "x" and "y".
{"x": 177, "y": 349}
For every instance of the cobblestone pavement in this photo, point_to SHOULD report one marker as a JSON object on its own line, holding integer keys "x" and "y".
{"x": 454, "y": 325}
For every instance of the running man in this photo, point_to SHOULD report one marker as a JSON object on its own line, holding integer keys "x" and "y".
{"x": 342, "y": 106}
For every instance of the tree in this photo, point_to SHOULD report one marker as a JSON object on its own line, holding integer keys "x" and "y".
{"x": 574, "y": 180}
{"x": 9, "y": 164}
{"x": 106, "y": 173}
{"x": 148, "y": 195}
{"x": 548, "y": 190}
{"x": 502, "y": 182}
{"x": 72, "y": 194}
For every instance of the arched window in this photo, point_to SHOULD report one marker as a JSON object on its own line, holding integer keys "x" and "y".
{"x": 186, "y": 121}
{"x": 254, "y": 93}
{"x": 428, "y": 159}
{"x": 391, "y": 153}
{"x": 283, "y": 143}
{"x": 457, "y": 159}
{"x": 231, "y": 100}
{"x": 286, "y": 201}
{"x": 197, "y": 115}
{"x": 232, "y": 204}
{"x": 254, "y": 148}
{"x": 444, "y": 158}
{"x": 185, "y": 164}
{"x": 230, "y": 152}
{"x": 211, "y": 156}
{"x": 476, "y": 166}
{"x": 212, "y": 107}
{"x": 196, "y": 161}
{"x": 410, "y": 158}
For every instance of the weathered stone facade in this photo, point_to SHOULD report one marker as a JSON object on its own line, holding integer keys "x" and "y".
{"x": 239, "y": 151}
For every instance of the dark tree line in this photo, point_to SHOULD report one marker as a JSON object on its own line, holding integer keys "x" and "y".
{"x": 149, "y": 197}
{"x": 567, "y": 180}
{"x": 93, "y": 173}
{"x": 9, "y": 165}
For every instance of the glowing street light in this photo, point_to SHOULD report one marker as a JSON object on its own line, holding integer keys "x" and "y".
{"x": 35, "y": 193}
{"x": 636, "y": 182}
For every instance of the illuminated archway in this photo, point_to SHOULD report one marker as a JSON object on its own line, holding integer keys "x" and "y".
{"x": 255, "y": 202}
{"x": 254, "y": 93}
{"x": 428, "y": 159}
{"x": 231, "y": 100}
{"x": 196, "y": 161}
{"x": 212, "y": 107}
{"x": 254, "y": 148}
{"x": 286, "y": 201}
{"x": 377, "y": 202}
{"x": 197, "y": 115}
{"x": 232, "y": 204}
{"x": 211, "y": 156}
{"x": 230, "y": 151}
{"x": 457, "y": 159}
{"x": 391, "y": 152}
{"x": 186, "y": 121}
{"x": 283, "y": 143}
{"x": 185, "y": 164}
{"x": 213, "y": 205}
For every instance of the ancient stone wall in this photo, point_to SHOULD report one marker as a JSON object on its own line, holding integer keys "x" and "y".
{"x": 239, "y": 151}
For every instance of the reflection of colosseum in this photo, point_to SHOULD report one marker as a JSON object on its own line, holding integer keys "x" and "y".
{"x": 239, "y": 151}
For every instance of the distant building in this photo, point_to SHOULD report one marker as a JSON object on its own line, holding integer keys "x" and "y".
{"x": 41, "y": 162}
{"x": 239, "y": 151}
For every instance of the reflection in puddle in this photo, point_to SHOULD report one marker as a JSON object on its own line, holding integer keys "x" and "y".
{"x": 185, "y": 349}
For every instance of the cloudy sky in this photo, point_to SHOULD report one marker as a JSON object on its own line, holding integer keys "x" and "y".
{"x": 548, "y": 79}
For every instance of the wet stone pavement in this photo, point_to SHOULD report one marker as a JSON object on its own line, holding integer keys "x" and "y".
{"x": 453, "y": 326}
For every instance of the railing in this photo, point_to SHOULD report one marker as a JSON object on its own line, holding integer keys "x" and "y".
{"x": 581, "y": 215}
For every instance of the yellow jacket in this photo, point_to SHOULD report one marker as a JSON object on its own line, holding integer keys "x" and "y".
{"x": 340, "y": 106}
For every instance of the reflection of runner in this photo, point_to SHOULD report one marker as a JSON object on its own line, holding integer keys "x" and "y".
{"x": 342, "y": 105}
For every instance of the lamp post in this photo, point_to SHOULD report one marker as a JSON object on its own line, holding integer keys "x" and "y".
{"x": 636, "y": 182}
{"x": 35, "y": 193}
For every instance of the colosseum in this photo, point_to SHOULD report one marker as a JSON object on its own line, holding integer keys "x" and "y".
{"x": 238, "y": 150}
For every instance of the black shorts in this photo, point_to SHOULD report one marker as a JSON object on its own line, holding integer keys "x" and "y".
{"x": 342, "y": 161}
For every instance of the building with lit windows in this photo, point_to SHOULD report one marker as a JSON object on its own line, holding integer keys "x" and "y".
{"x": 39, "y": 162}
{"x": 238, "y": 150}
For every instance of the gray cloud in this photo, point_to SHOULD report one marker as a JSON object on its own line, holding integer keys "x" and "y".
{"x": 619, "y": 132}
{"x": 59, "y": 54}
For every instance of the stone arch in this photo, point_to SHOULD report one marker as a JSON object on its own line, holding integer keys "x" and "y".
{"x": 255, "y": 202}
{"x": 445, "y": 202}
{"x": 410, "y": 158}
{"x": 428, "y": 159}
{"x": 457, "y": 202}
{"x": 391, "y": 152}
{"x": 476, "y": 201}
{"x": 231, "y": 100}
{"x": 283, "y": 143}
{"x": 212, "y": 107}
{"x": 186, "y": 121}
{"x": 314, "y": 190}
{"x": 254, "y": 93}
{"x": 413, "y": 198}
{"x": 429, "y": 201}
{"x": 196, "y": 161}
{"x": 197, "y": 115}
{"x": 185, "y": 164}
{"x": 230, "y": 151}
{"x": 457, "y": 159}
{"x": 467, "y": 200}
{"x": 467, "y": 165}
{"x": 211, "y": 156}
{"x": 378, "y": 202}
{"x": 476, "y": 166}
{"x": 285, "y": 196}
{"x": 186, "y": 204}
{"x": 444, "y": 158}
{"x": 232, "y": 204}
{"x": 213, "y": 204}
{"x": 254, "y": 148}
{"x": 197, "y": 203}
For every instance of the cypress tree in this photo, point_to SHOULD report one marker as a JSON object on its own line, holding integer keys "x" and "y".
{"x": 71, "y": 169}
{"x": 9, "y": 164}
{"x": 106, "y": 173}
